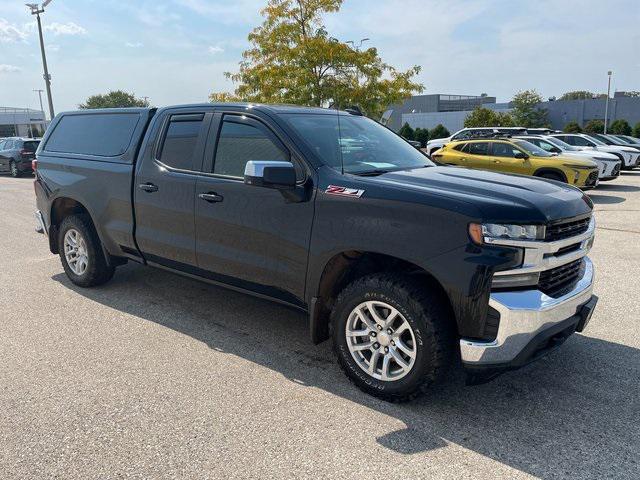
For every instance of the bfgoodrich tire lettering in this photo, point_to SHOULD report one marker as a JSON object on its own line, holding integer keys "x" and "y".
{"x": 430, "y": 325}
{"x": 96, "y": 271}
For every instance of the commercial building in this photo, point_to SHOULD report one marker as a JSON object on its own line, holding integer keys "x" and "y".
{"x": 422, "y": 112}
{"x": 436, "y": 108}
{"x": 21, "y": 122}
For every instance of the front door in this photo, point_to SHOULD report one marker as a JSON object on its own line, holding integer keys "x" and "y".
{"x": 248, "y": 236}
{"x": 164, "y": 189}
{"x": 503, "y": 158}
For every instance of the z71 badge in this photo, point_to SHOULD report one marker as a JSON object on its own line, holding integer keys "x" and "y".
{"x": 343, "y": 191}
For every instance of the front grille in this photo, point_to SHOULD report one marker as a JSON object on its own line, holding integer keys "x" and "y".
{"x": 567, "y": 249}
{"x": 560, "y": 280}
{"x": 560, "y": 231}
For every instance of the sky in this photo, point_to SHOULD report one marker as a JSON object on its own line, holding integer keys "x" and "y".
{"x": 176, "y": 51}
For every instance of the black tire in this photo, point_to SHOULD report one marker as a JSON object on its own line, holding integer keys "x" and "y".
{"x": 98, "y": 271}
{"x": 552, "y": 176}
{"x": 13, "y": 168}
{"x": 426, "y": 314}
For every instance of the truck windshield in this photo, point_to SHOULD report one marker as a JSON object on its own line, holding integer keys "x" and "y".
{"x": 355, "y": 144}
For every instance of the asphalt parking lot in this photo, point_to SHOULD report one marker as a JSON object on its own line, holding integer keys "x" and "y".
{"x": 157, "y": 376}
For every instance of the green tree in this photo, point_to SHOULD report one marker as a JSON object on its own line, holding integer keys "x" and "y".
{"x": 407, "y": 132}
{"x": 636, "y": 130}
{"x": 620, "y": 127}
{"x": 485, "y": 117}
{"x": 293, "y": 59}
{"x": 422, "y": 136}
{"x": 113, "y": 99}
{"x": 439, "y": 131}
{"x": 526, "y": 112}
{"x": 582, "y": 95}
{"x": 572, "y": 127}
{"x": 594, "y": 126}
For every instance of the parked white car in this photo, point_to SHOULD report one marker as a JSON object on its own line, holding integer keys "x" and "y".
{"x": 465, "y": 133}
{"x": 609, "y": 165}
{"x": 630, "y": 156}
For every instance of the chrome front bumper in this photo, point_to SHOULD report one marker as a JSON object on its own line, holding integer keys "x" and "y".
{"x": 525, "y": 314}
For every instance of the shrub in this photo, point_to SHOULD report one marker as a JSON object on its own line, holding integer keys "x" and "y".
{"x": 636, "y": 130}
{"x": 594, "y": 126}
{"x": 572, "y": 127}
{"x": 620, "y": 127}
{"x": 422, "y": 136}
{"x": 407, "y": 132}
{"x": 439, "y": 131}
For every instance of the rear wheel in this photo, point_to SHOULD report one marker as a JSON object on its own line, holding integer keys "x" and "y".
{"x": 391, "y": 337}
{"x": 13, "y": 168}
{"x": 81, "y": 252}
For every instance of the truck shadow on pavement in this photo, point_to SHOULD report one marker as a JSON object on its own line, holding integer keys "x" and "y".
{"x": 606, "y": 199}
{"x": 574, "y": 414}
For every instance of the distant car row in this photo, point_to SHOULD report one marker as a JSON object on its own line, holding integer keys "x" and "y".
{"x": 578, "y": 159}
{"x": 16, "y": 154}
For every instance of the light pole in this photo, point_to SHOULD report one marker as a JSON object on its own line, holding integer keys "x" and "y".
{"x": 37, "y": 10}
{"x": 606, "y": 106}
{"x": 353, "y": 44}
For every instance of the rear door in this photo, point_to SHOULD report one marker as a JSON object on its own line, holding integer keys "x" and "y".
{"x": 250, "y": 237}
{"x": 477, "y": 156}
{"x": 165, "y": 185}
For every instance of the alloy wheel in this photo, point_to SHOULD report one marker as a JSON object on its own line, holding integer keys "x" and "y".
{"x": 381, "y": 341}
{"x": 75, "y": 251}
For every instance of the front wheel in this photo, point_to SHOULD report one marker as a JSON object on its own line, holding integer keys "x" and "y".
{"x": 552, "y": 176}
{"x": 81, "y": 252}
{"x": 392, "y": 338}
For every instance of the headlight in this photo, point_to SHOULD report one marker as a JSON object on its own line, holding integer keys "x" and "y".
{"x": 614, "y": 160}
{"x": 484, "y": 233}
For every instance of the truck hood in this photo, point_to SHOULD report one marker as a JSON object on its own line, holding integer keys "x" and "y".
{"x": 500, "y": 198}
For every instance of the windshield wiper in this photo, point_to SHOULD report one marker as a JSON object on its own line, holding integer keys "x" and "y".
{"x": 372, "y": 173}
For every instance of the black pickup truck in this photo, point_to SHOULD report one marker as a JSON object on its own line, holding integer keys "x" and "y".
{"x": 409, "y": 267}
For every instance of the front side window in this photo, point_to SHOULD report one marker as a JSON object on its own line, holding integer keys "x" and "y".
{"x": 180, "y": 142}
{"x": 241, "y": 142}
{"x": 504, "y": 150}
{"x": 355, "y": 144}
{"x": 478, "y": 148}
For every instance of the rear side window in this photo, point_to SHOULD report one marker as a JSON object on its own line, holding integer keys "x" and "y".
{"x": 461, "y": 147}
{"x": 478, "y": 148}
{"x": 180, "y": 141}
{"x": 103, "y": 134}
{"x": 30, "y": 146}
{"x": 239, "y": 143}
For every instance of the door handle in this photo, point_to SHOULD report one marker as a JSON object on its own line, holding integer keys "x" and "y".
{"x": 496, "y": 161}
{"x": 211, "y": 197}
{"x": 148, "y": 187}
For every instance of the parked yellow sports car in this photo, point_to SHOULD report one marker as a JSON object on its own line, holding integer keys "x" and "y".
{"x": 518, "y": 156}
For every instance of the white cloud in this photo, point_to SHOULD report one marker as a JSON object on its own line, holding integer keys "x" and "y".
{"x": 213, "y": 49}
{"x": 10, "y": 33}
{"x": 4, "y": 68}
{"x": 68, "y": 28}
{"x": 134, "y": 44}
{"x": 53, "y": 48}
